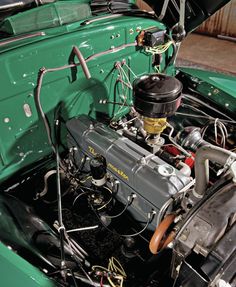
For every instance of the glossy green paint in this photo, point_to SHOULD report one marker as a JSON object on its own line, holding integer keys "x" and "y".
{"x": 16, "y": 272}
{"x": 219, "y": 88}
{"x": 23, "y": 138}
{"x": 46, "y": 16}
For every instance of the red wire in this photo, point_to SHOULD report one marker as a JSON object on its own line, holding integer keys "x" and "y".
{"x": 101, "y": 281}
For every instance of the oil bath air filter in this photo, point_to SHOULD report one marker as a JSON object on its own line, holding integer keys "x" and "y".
{"x": 156, "y": 97}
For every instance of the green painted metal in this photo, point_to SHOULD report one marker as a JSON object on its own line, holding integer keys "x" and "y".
{"x": 46, "y": 16}
{"x": 219, "y": 88}
{"x": 17, "y": 272}
{"x": 23, "y": 138}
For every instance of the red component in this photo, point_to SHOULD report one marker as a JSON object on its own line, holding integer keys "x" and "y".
{"x": 172, "y": 149}
{"x": 190, "y": 160}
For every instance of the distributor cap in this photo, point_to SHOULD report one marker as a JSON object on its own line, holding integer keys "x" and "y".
{"x": 157, "y": 95}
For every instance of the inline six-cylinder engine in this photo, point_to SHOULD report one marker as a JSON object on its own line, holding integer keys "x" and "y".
{"x": 137, "y": 170}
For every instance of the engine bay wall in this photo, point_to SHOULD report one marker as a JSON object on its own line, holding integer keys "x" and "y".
{"x": 25, "y": 140}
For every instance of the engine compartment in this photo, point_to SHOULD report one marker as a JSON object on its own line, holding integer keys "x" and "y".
{"x": 123, "y": 199}
{"x": 118, "y": 170}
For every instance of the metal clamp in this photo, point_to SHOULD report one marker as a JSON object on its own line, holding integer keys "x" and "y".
{"x": 230, "y": 162}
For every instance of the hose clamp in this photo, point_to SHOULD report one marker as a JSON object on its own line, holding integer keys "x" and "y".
{"x": 229, "y": 162}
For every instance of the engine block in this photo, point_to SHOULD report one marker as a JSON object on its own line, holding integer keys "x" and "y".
{"x": 137, "y": 170}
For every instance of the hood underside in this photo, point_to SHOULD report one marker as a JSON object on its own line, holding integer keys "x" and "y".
{"x": 196, "y": 11}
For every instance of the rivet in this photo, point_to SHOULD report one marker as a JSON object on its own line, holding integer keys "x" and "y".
{"x": 6, "y": 120}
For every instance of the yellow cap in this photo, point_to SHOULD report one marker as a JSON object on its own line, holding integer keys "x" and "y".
{"x": 154, "y": 126}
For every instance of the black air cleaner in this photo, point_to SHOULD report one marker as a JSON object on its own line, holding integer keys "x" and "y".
{"x": 156, "y": 95}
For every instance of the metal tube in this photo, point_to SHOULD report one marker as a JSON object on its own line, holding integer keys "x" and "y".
{"x": 82, "y": 228}
{"x": 19, "y": 38}
{"x": 228, "y": 38}
{"x": 61, "y": 228}
{"x": 171, "y": 139}
{"x": 82, "y": 62}
{"x": 163, "y": 10}
{"x": 203, "y": 155}
{"x": 12, "y": 5}
{"x": 86, "y": 22}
